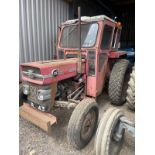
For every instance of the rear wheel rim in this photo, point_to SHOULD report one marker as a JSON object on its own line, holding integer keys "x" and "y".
{"x": 114, "y": 146}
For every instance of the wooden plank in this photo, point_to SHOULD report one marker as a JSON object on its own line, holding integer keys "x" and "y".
{"x": 40, "y": 119}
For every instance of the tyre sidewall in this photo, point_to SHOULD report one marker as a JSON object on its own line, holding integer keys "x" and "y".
{"x": 76, "y": 122}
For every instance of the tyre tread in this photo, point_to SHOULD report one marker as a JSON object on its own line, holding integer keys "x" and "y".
{"x": 116, "y": 81}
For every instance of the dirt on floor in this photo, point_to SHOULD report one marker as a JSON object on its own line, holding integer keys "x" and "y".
{"x": 34, "y": 141}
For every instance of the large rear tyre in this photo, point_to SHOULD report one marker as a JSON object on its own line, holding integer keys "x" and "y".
{"x": 130, "y": 99}
{"x": 105, "y": 143}
{"x": 83, "y": 123}
{"x": 117, "y": 83}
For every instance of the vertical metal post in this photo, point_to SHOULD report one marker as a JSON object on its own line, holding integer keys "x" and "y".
{"x": 79, "y": 17}
{"x": 79, "y": 31}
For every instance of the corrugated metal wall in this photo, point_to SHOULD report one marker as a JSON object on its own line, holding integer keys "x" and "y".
{"x": 39, "y": 20}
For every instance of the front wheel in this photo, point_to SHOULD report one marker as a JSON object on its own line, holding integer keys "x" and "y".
{"x": 83, "y": 123}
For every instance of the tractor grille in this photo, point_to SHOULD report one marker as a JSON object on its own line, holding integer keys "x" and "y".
{"x": 33, "y": 92}
{"x": 31, "y": 72}
{"x": 27, "y": 68}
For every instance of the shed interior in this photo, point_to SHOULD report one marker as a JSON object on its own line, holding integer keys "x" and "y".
{"x": 124, "y": 10}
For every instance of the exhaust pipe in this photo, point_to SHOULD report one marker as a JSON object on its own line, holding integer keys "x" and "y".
{"x": 79, "y": 31}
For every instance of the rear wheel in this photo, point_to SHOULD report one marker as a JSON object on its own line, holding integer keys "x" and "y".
{"x": 130, "y": 99}
{"x": 105, "y": 144}
{"x": 118, "y": 83}
{"x": 83, "y": 123}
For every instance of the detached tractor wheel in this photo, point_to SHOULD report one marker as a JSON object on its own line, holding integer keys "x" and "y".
{"x": 105, "y": 144}
{"x": 83, "y": 123}
{"x": 117, "y": 83}
{"x": 130, "y": 99}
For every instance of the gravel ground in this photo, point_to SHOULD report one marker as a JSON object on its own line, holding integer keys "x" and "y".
{"x": 34, "y": 141}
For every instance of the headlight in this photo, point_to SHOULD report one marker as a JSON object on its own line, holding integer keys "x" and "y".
{"x": 44, "y": 94}
{"x": 40, "y": 97}
{"x": 26, "y": 89}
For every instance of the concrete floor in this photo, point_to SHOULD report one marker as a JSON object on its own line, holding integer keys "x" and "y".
{"x": 34, "y": 141}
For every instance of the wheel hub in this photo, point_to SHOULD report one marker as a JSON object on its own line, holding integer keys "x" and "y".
{"x": 88, "y": 125}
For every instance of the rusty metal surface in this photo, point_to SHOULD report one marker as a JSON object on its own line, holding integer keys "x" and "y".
{"x": 50, "y": 63}
{"x": 40, "y": 119}
{"x": 66, "y": 68}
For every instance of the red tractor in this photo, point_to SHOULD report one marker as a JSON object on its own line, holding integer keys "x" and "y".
{"x": 87, "y": 55}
